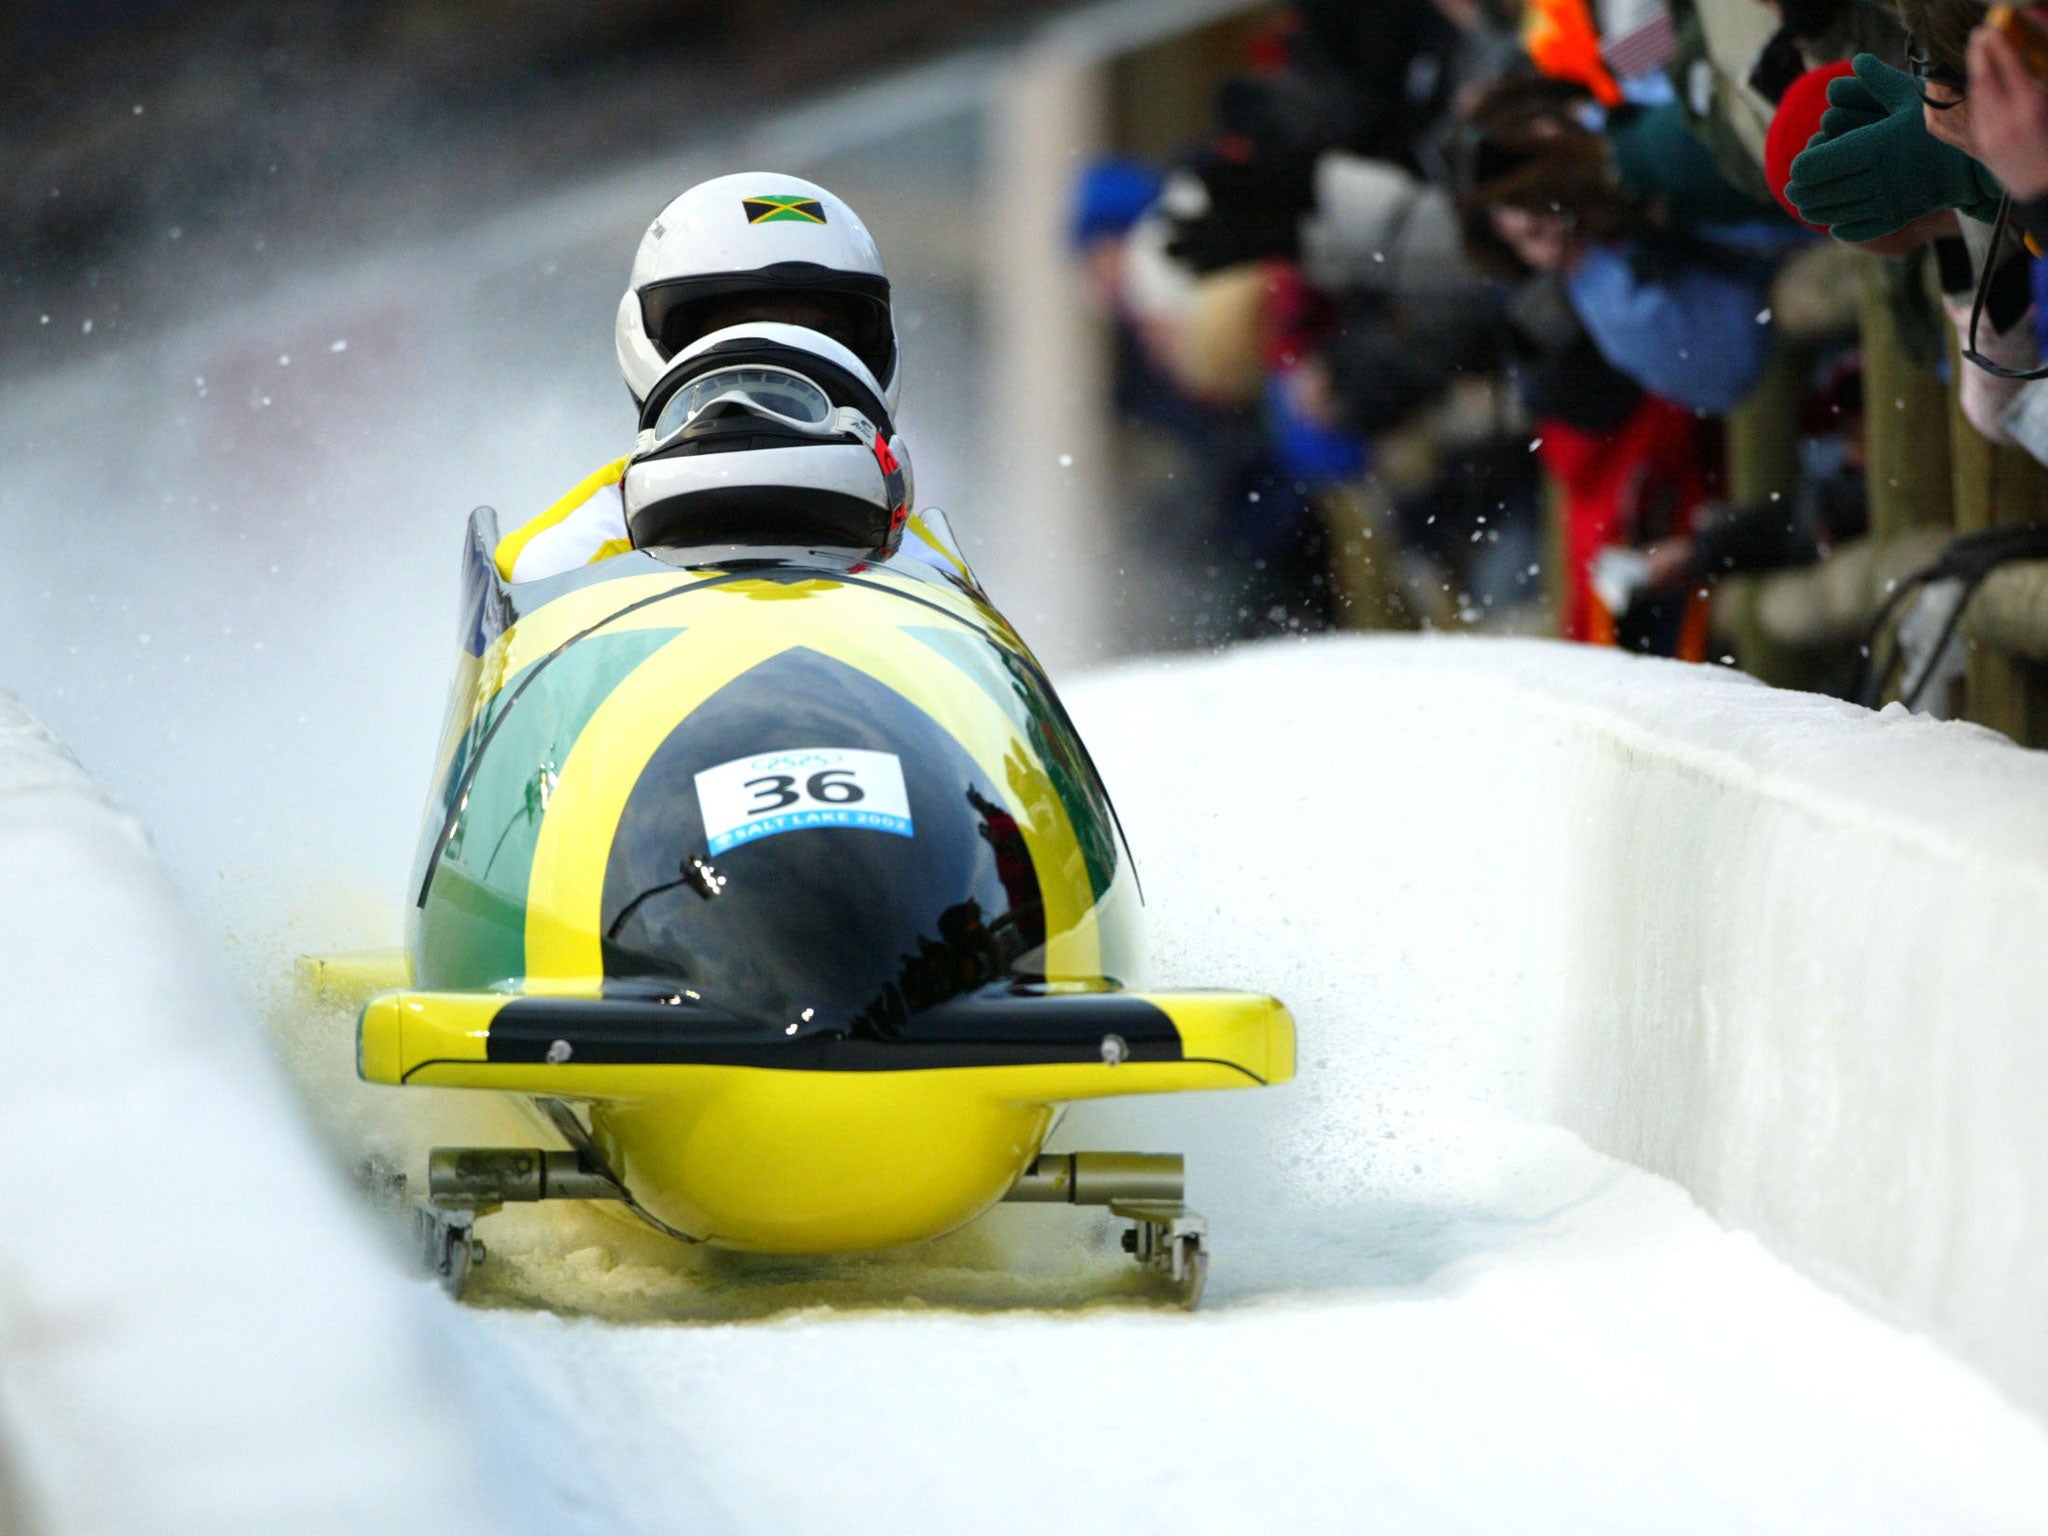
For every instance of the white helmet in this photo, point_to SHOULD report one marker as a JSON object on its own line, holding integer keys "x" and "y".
{"x": 755, "y": 246}
{"x": 767, "y": 434}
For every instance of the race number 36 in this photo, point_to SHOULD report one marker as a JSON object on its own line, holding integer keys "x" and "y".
{"x": 800, "y": 790}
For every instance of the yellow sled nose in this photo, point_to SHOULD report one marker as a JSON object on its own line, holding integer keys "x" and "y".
{"x": 853, "y": 1144}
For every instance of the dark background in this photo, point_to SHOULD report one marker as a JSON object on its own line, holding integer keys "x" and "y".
{"x": 271, "y": 135}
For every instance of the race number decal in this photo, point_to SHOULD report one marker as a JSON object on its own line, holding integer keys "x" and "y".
{"x": 796, "y": 790}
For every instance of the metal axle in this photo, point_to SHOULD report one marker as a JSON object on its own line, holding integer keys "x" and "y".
{"x": 477, "y": 1178}
{"x": 1101, "y": 1178}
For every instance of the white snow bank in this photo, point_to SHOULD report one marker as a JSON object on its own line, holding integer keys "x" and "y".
{"x": 196, "y": 1333}
{"x": 1789, "y": 953}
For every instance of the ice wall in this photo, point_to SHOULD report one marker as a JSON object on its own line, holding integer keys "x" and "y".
{"x": 1789, "y": 953}
{"x": 1807, "y": 977}
{"x": 197, "y": 1331}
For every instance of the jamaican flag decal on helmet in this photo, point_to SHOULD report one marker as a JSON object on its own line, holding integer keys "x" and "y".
{"x": 777, "y": 210}
{"x": 698, "y": 268}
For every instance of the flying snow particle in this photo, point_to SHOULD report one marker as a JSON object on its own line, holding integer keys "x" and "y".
{"x": 138, "y": 109}
{"x": 1066, "y": 461}
{"x": 1763, "y": 316}
{"x": 46, "y": 319}
{"x": 284, "y": 359}
{"x": 337, "y": 346}
{"x": 86, "y": 329}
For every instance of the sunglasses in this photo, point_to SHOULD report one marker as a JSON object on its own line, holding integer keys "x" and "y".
{"x": 1926, "y": 72}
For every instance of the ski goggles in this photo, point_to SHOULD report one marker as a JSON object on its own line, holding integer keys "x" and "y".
{"x": 772, "y": 394}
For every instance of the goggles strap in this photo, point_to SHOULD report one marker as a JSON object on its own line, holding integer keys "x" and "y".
{"x": 1992, "y": 262}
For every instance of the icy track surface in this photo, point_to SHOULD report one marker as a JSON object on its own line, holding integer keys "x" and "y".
{"x": 1423, "y": 1314}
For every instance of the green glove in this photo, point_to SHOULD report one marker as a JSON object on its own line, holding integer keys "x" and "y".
{"x": 1874, "y": 167}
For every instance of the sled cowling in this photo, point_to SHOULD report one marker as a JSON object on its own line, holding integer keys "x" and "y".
{"x": 786, "y": 1142}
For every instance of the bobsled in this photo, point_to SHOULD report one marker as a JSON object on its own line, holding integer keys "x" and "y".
{"x": 781, "y": 884}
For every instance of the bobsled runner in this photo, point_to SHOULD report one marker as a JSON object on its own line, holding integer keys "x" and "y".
{"x": 780, "y": 883}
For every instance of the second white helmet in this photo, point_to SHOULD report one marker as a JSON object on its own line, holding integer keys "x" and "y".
{"x": 757, "y": 246}
{"x": 767, "y": 435}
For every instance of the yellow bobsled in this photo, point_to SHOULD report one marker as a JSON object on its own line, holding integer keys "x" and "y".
{"x": 782, "y": 882}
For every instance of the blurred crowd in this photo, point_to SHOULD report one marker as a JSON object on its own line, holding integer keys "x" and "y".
{"x": 1556, "y": 315}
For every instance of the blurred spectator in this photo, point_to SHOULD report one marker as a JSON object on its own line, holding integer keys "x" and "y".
{"x": 2009, "y": 112}
{"x": 1649, "y": 240}
{"x": 1393, "y": 210}
{"x": 1219, "y": 507}
{"x": 1665, "y": 268}
{"x": 2008, "y": 91}
{"x": 1298, "y": 265}
{"x": 1829, "y": 508}
{"x": 1896, "y": 145}
{"x": 1110, "y": 197}
{"x": 1367, "y": 79}
{"x": 1639, "y": 484}
{"x": 1736, "y": 57}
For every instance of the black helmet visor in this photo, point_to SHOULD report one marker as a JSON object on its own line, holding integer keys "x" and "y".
{"x": 850, "y": 307}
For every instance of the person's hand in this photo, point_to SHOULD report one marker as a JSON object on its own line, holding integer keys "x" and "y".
{"x": 1874, "y": 168}
{"x": 1668, "y": 563}
{"x": 1908, "y": 238}
{"x": 1856, "y": 105}
{"x": 1618, "y": 576}
{"x": 1310, "y": 394}
{"x": 2008, "y": 115}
